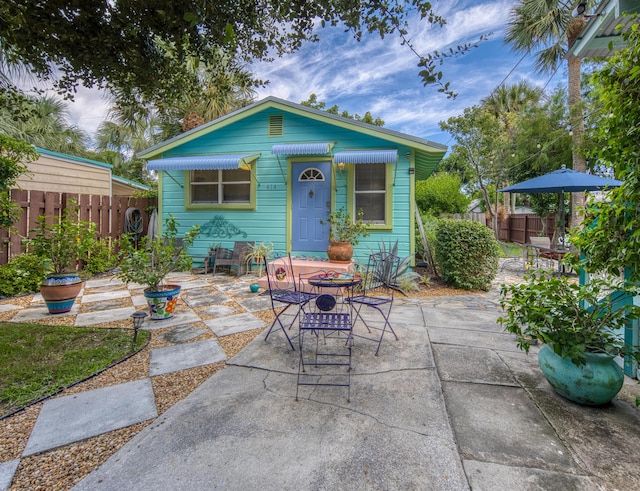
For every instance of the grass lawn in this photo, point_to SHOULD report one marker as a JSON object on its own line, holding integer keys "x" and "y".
{"x": 38, "y": 360}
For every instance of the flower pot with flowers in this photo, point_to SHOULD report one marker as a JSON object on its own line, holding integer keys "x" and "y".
{"x": 62, "y": 244}
{"x": 153, "y": 260}
{"x": 580, "y": 326}
{"x": 344, "y": 233}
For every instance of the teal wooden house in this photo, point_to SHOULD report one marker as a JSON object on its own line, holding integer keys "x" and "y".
{"x": 273, "y": 170}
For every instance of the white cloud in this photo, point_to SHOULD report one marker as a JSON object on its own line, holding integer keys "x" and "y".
{"x": 381, "y": 75}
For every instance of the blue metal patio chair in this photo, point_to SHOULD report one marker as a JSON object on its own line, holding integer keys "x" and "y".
{"x": 328, "y": 321}
{"x": 377, "y": 293}
{"x": 284, "y": 290}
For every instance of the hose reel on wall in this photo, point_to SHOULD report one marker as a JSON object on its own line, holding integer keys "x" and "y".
{"x": 133, "y": 224}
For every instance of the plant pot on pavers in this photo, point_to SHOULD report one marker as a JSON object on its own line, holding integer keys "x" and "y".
{"x": 60, "y": 291}
{"x": 592, "y": 384}
{"x": 162, "y": 303}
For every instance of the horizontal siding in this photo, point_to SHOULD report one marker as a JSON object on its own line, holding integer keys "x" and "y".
{"x": 60, "y": 176}
{"x": 268, "y": 221}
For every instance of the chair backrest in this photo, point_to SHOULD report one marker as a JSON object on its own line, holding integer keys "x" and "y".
{"x": 328, "y": 299}
{"x": 540, "y": 241}
{"x": 241, "y": 249}
{"x": 280, "y": 274}
{"x": 382, "y": 273}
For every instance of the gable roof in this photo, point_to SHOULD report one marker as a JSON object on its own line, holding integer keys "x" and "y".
{"x": 428, "y": 154}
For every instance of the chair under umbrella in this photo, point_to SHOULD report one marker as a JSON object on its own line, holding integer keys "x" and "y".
{"x": 562, "y": 181}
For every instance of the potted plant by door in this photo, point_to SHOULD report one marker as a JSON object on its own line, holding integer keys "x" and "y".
{"x": 259, "y": 253}
{"x": 62, "y": 244}
{"x": 579, "y": 326}
{"x": 152, "y": 261}
{"x": 344, "y": 233}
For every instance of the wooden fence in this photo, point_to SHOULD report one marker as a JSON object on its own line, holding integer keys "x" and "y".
{"x": 109, "y": 214}
{"x": 518, "y": 228}
{"x": 513, "y": 228}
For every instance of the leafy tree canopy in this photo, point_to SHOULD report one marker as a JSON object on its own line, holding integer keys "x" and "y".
{"x": 142, "y": 45}
{"x": 315, "y": 104}
{"x": 441, "y": 194}
{"x": 14, "y": 155}
{"x": 610, "y": 239}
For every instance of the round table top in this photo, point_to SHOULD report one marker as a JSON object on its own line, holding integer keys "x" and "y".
{"x": 335, "y": 279}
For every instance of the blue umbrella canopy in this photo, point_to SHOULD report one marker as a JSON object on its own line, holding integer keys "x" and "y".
{"x": 562, "y": 181}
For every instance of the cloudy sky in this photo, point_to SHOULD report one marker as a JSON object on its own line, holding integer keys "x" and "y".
{"x": 381, "y": 76}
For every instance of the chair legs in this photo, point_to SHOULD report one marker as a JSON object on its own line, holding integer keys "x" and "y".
{"x": 282, "y": 326}
{"x": 370, "y": 327}
{"x": 329, "y": 352}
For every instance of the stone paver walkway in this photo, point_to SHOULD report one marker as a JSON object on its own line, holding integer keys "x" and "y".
{"x": 73, "y": 418}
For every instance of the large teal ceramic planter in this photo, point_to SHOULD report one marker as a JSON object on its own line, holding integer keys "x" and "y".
{"x": 592, "y": 384}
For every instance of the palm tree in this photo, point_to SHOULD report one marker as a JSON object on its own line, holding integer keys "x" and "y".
{"x": 507, "y": 103}
{"x": 549, "y": 29}
{"x": 44, "y": 123}
{"x": 222, "y": 86}
{"x": 511, "y": 99}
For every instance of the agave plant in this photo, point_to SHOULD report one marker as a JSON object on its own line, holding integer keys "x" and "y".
{"x": 405, "y": 279}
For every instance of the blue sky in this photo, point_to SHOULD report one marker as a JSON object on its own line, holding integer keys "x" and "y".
{"x": 381, "y": 75}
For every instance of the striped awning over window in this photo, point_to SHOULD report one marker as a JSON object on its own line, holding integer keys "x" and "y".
{"x": 366, "y": 157}
{"x": 203, "y": 162}
{"x": 318, "y": 148}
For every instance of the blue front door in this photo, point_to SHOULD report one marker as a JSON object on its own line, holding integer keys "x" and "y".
{"x": 311, "y": 196}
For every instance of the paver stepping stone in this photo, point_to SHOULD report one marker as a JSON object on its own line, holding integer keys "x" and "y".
{"x": 205, "y": 297}
{"x": 224, "y": 326}
{"x": 182, "y": 334}
{"x": 7, "y": 470}
{"x": 102, "y": 296}
{"x": 255, "y": 303}
{"x": 80, "y": 416}
{"x": 219, "y": 310}
{"x": 118, "y": 303}
{"x": 7, "y": 307}
{"x": 183, "y": 356}
{"x": 37, "y": 312}
{"x": 91, "y": 318}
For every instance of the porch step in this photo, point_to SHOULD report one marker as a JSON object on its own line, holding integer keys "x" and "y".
{"x": 303, "y": 266}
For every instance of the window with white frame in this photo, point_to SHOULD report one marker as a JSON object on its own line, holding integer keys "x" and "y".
{"x": 220, "y": 186}
{"x": 371, "y": 191}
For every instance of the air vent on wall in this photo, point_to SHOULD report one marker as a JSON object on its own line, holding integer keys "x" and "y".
{"x": 276, "y": 125}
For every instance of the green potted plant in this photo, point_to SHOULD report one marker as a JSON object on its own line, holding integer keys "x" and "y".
{"x": 153, "y": 260}
{"x": 258, "y": 253}
{"x": 62, "y": 244}
{"x": 344, "y": 233}
{"x": 580, "y": 327}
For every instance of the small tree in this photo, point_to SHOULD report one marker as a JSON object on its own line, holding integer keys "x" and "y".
{"x": 441, "y": 194}
{"x": 14, "y": 156}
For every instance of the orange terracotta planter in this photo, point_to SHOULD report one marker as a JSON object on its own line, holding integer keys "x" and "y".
{"x": 340, "y": 252}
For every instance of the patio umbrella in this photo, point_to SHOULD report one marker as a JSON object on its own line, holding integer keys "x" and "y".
{"x": 562, "y": 181}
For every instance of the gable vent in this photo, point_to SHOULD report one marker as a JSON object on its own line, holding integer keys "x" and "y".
{"x": 276, "y": 125}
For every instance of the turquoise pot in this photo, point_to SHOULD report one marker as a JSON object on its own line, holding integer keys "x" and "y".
{"x": 592, "y": 384}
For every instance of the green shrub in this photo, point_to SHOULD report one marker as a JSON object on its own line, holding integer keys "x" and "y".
{"x": 21, "y": 274}
{"x": 466, "y": 254}
{"x": 100, "y": 257}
